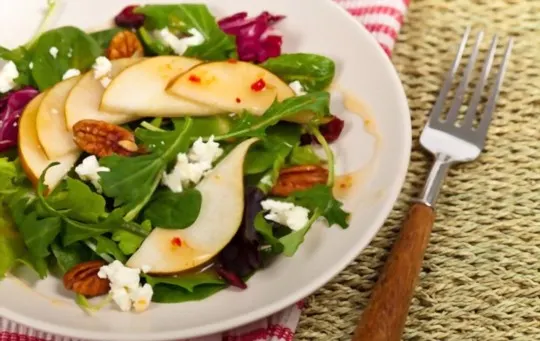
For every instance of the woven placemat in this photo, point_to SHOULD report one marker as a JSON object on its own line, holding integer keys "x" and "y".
{"x": 481, "y": 276}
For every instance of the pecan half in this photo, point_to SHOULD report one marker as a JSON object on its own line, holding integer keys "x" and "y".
{"x": 83, "y": 279}
{"x": 125, "y": 44}
{"x": 103, "y": 139}
{"x": 297, "y": 178}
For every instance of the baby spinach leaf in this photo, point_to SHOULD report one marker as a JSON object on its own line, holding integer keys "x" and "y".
{"x": 130, "y": 242}
{"x": 76, "y": 49}
{"x": 266, "y": 231}
{"x": 104, "y": 37}
{"x": 170, "y": 210}
{"x": 314, "y": 72}
{"x": 179, "y": 19}
{"x": 69, "y": 256}
{"x": 304, "y": 155}
{"x": 132, "y": 180}
{"x": 109, "y": 247}
{"x": 12, "y": 247}
{"x": 188, "y": 287}
{"x": 22, "y": 58}
{"x": 153, "y": 45}
{"x": 293, "y": 240}
{"x": 256, "y": 126}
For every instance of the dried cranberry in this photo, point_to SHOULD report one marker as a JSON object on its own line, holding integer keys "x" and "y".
{"x": 128, "y": 18}
{"x": 331, "y": 132}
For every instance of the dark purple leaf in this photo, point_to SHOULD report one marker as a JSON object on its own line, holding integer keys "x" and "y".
{"x": 241, "y": 257}
{"x": 256, "y": 40}
{"x": 231, "y": 278}
{"x": 11, "y": 108}
{"x": 128, "y": 18}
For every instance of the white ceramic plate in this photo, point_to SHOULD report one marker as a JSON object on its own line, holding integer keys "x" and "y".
{"x": 317, "y": 26}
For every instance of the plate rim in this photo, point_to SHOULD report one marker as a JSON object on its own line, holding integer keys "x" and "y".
{"x": 291, "y": 298}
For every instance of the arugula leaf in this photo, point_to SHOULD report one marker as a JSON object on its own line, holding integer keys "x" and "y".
{"x": 266, "y": 231}
{"x": 107, "y": 246}
{"x": 39, "y": 234}
{"x": 129, "y": 242}
{"x": 170, "y": 210}
{"x": 75, "y": 231}
{"x": 12, "y": 246}
{"x": 304, "y": 155}
{"x": 69, "y": 256}
{"x": 188, "y": 287}
{"x": 104, "y": 37}
{"x": 278, "y": 144}
{"x": 78, "y": 201}
{"x": 320, "y": 198}
{"x": 132, "y": 180}
{"x": 76, "y": 49}
{"x": 314, "y": 72}
{"x": 22, "y": 58}
{"x": 180, "y": 18}
{"x": 255, "y": 126}
{"x": 293, "y": 240}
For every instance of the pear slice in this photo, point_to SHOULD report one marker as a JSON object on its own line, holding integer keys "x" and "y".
{"x": 33, "y": 158}
{"x": 140, "y": 90}
{"x": 220, "y": 217}
{"x": 85, "y": 98}
{"x": 228, "y": 85}
{"x": 52, "y": 131}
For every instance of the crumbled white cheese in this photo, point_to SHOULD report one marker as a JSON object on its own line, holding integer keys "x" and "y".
{"x": 88, "y": 170}
{"x": 286, "y": 213}
{"x": 180, "y": 45}
{"x": 102, "y": 67}
{"x": 126, "y": 290}
{"x": 297, "y": 88}
{"x": 185, "y": 173}
{"x": 8, "y": 74}
{"x": 53, "y": 51}
{"x": 31, "y": 65}
{"x": 266, "y": 180}
{"x": 191, "y": 167}
{"x": 141, "y": 297}
{"x": 71, "y": 73}
{"x": 205, "y": 151}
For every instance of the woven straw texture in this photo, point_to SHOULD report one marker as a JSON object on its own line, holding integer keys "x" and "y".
{"x": 481, "y": 275}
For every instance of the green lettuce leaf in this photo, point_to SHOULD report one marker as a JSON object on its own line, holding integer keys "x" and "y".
{"x": 69, "y": 256}
{"x": 314, "y": 72}
{"x": 179, "y": 19}
{"x": 304, "y": 155}
{"x": 12, "y": 247}
{"x": 188, "y": 287}
{"x": 130, "y": 242}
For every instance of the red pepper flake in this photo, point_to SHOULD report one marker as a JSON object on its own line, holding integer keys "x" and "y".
{"x": 232, "y": 61}
{"x": 176, "y": 241}
{"x": 258, "y": 85}
{"x": 238, "y": 100}
{"x": 194, "y": 79}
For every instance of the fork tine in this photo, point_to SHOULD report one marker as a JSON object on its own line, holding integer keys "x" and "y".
{"x": 437, "y": 108}
{"x": 487, "y": 115}
{"x": 460, "y": 93}
{"x": 473, "y": 105}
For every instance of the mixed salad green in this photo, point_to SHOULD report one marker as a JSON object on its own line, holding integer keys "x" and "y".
{"x": 110, "y": 216}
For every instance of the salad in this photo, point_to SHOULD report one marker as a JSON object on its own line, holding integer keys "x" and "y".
{"x": 163, "y": 159}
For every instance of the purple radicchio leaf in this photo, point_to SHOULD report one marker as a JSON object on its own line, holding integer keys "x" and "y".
{"x": 241, "y": 257}
{"x": 128, "y": 18}
{"x": 256, "y": 38}
{"x": 11, "y": 108}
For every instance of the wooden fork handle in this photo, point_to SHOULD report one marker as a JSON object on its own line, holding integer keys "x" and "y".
{"x": 384, "y": 317}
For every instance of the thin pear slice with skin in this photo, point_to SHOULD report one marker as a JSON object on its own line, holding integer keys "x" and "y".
{"x": 140, "y": 90}
{"x": 231, "y": 86}
{"x": 33, "y": 158}
{"x": 220, "y": 217}
{"x": 52, "y": 131}
{"x": 85, "y": 98}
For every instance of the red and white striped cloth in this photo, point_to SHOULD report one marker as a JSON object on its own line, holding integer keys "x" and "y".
{"x": 383, "y": 18}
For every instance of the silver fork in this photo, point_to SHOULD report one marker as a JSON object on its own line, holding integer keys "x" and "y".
{"x": 450, "y": 141}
